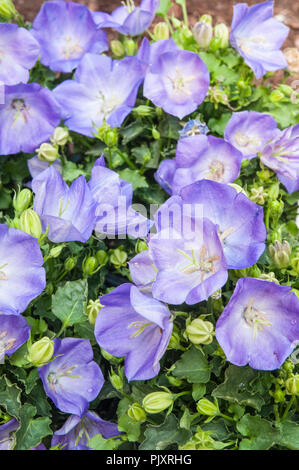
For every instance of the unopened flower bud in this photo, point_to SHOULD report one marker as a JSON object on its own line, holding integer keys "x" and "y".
{"x": 273, "y": 191}
{"x": 206, "y": 19}
{"x": 70, "y": 263}
{"x": 203, "y": 33}
{"x": 41, "y": 352}
{"x": 253, "y": 271}
{"x": 157, "y": 401}
{"x": 7, "y": 9}
{"x": 89, "y": 266}
{"x": 143, "y": 110}
{"x": 116, "y": 380}
{"x": 161, "y": 31}
{"x": 118, "y": 258}
{"x": 130, "y": 46}
{"x": 111, "y": 138}
{"x": 47, "y": 152}
{"x": 276, "y": 209}
{"x": 140, "y": 246}
{"x": 207, "y": 408}
{"x": 217, "y": 95}
{"x": 174, "y": 342}
{"x": 30, "y": 223}
{"x": 92, "y": 310}
{"x": 280, "y": 253}
{"x": 136, "y": 413}
{"x": 155, "y": 133}
{"x": 286, "y": 89}
{"x": 174, "y": 381}
{"x": 22, "y": 200}
{"x": 56, "y": 251}
{"x": 60, "y": 136}
{"x": 110, "y": 358}
{"x": 269, "y": 277}
{"x": 288, "y": 366}
{"x": 276, "y": 96}
{"x": 221, "y": 32}
{"x": 117, "y": 49}
{"x": 102, "y": 257}
{"x": 278, "y": 395}
{"x": 258, "y": 195}
{"x": 200, "y": 331}
{"x": 292, "y": 385}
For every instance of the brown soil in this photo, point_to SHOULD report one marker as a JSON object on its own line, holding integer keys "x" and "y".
{"x": 221, "y": 11}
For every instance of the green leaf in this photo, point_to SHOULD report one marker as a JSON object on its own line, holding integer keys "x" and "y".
{"x": 164, "y": 7}
{"x": 261, "y": 434}
{"x": 10, "y": 397}
{"x": 160, "y": 437}
{"x": 289, "y": 435}
{"x": 132, "y": 131}
{"x": 238, "y": 387}
{"x": 133, "y": 176}
{"x": 70, "y": 172}
{"x": 125, "y": 424}
{"x": 31, "y": 431}
{"x": 218, "y": 125}
{"x": 169, "y": 127}
{"x": 97, "y": 442}
{"x": 69, "y": 302}
{"x": 193, "y": 366}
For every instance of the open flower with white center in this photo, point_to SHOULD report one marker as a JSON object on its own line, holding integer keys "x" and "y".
{"x": 176, "y": 80}
{"x": 103, "y": 89}
{"x": 18, "y": 53}
{"x": 258, "y": 37}
{"x": 199, "y": 157}
{"x": 250, "y": 131}
{"x": 282, "y": 156}
{"x": 28, "y": 118}
{"x": 260, "y": 324}
{"x": 22, "y": 277}
{"x": 134, "y": 325}
{"x": 73, "y": 379}
{"x": 65, "y": 32}
{"x": 14, "y": 331}
{"x": 129, "y": 18}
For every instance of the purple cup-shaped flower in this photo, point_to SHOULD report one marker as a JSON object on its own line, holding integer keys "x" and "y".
{"x": 129, "y": 19}
{"x": 189, "y": 258}
{"x": 37, "y": 166}
{"x": 18, "y": 51}
{"x": 73, "y": 379}
{"x": 176, "y": 80}
{"x": 7, "y": 438}
{"x": 260, "y": 324}
{"x": 103, "y": 90}
{"x": 113, "y": 195}
{"x": 28, "y": 118}
{"x": 199, "y": 157}
{"x": 69, "y": 212}
{"x": 240, "y": 221}
{"x": 22, "y": 277}
{"x": 193, "y": 127}
{"x": 282, "y": 156}
{"x": 65, "y": 32}
{"x": 143, "y": 271}
{"x": 258, "y": 37}
{"x": 136, "y": 326}
{"x": 250, "y": 131}
{"x": 14, "y": 331}
{"x": 77, "y": 431}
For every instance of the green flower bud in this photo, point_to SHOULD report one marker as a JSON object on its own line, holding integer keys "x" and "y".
{"x": 41, "y": 352}
{"x": 288, "y": 366}
{"x": 276, "y": 96}
{"x": 22, "y": 200}
{"x": 30, "y": 223}
{"x": 286, "y": 90}
{"x": 159, "y": 112}
{"x": 143, "y": 110}
{"x": 174, "y": 342}
{"x": 111, "y": 137}
{"x": 276, "y": 209}
{"x": 89, "y": 266}
{"x": 49, "y": 288}
{"x": 110, "y": 358}
{"x": 207, "y": 408}
{"x": 280, "y": 253}
{"x": 273, "y": 191}
{"x": 221, "y": 32}
{"x": 136, "y": 413}
{"x": 101, "y": 131}
{"x": 70, "y": 263}
{"x": 155, "y": 133}
{"x": 203, "y": 34}
{"x": 130, "y": 46}
{"x": 200, "y": 331}
{"x": 60, "y": 136}
{"x": 278, "y": 395}
{"x": 253, "y": 271}
{"x": 269, "y": 277}
{"x": 7, "y": 10}
{"x": 56, "y": 251}
{"x": 116, "y": 380}
{"x": 206, "y": 19}
{"x": 140, "y": 246}
{"x": 174, "y": 381}
{"x": 118, "y": 258}
{"x": 157, "y": 401}
{"x": 92, "y": 310}
{"x": 117, "y": 49}
{"x": 292, "y": 385}
{"x": 46, "y": 152}
{"x": 258, "y": 195}
{"x": 295, "y": 265}
{"x": 102, "y": 257}
{"x": 217, "y": 95}
{"x": 161, "y": 31}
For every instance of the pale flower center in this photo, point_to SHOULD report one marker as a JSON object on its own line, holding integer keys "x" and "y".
{"x": 216, "y": 171}
{"x": 5, "y": 343}
{"x": 244, "y": 141}
{"x": 254, "y": 318}
{"x": 140, "y": 327}
{"x": 21, "y": 110}
{"x": 180, "y": 83}
{"x": 204, "y": 264}
{"x": 71, "y": 48}
{"x": 129, "y": 5}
